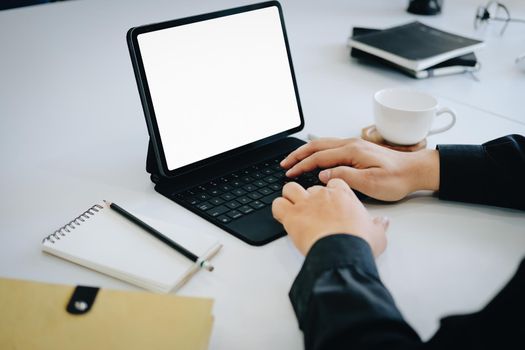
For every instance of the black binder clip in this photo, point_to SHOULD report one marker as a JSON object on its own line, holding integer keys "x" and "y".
{"x": 82, "y": 300}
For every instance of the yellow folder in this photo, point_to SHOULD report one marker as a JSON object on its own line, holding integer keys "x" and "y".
{"x": 34, "y": 316}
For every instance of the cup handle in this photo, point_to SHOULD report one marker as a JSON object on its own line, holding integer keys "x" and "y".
{"x": 446, "y": 127}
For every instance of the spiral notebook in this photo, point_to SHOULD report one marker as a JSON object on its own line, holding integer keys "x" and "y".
{"x": 104, "y": 241}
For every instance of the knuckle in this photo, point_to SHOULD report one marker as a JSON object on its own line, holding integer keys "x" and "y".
{"x": 290, "y": 186}
{"x": 286, "y": 186}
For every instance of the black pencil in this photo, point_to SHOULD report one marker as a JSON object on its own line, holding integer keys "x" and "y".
{"x": 204, "y": 263}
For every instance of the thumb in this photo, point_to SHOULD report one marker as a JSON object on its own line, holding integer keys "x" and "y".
{"x": 353, "y": 177}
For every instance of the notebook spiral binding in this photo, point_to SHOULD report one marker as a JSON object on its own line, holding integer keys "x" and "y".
{"x": 67, "y": 228}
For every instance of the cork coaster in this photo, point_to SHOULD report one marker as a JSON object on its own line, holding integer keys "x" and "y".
{"x": 371, "y": 134}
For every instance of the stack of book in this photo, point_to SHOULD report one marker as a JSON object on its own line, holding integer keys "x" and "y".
{"x": 416, "y": 49}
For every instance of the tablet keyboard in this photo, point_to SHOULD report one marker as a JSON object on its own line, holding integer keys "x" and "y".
{"x": 242, "y": 192}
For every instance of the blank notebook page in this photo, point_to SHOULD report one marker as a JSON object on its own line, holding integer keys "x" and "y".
{"x": 111, "y": 244}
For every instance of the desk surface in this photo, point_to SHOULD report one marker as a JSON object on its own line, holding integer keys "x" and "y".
{"x": 72, "y": 133}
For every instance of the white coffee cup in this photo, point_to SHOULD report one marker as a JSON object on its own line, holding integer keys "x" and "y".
{"x": 405, "y": 116}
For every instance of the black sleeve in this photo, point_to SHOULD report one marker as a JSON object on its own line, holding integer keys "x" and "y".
{"x": 493, "y": 173}
{"x": 340, "y": 303}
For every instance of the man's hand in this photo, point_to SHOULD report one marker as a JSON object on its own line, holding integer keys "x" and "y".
{"x": 376, "y": 171}
{"x": 308, "y": 215}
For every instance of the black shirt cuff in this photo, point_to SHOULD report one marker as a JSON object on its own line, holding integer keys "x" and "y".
{"x": 462, "y": 172}
{"x": 334, "y": 251}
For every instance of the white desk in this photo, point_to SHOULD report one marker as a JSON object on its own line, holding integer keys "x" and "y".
{"x": 72, "y": 133}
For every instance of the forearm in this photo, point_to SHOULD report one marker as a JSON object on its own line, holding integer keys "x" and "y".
{"x": 340, "y": 301}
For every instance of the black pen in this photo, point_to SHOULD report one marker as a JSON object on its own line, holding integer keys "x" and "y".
{"x": 203, "y": 263}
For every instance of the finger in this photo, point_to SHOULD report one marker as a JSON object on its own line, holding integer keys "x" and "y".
{"x": 314, "y": 189}
{"x": 322, "y": 159}
{"x": 310, "y": 148}
{"x": 383, "y": 222}
{"x": 294, "y": 192}
{"x": 379, "y": 239}
{"x": 280, "y": 206}
{"x": 355, "y": 178}
{"x": 338, "y": 184}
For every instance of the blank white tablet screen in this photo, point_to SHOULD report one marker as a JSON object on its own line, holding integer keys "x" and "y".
{"x": 219, "y": 84}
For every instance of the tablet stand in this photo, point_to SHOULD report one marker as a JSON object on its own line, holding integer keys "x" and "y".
{"x": 151, "y": 165}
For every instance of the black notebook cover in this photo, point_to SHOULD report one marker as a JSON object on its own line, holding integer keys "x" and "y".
{"x": 464, "y": 63}
{"x": 414, "y": 45}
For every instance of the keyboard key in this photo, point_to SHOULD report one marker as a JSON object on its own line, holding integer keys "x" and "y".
{"x": 239, "y": 192}
{"x": 247, "y": 179}
{"x": 201, "y": 189}
{"x": 189, "y": 193}
{"x": 216, "y": 201}
{"x": 224, "y": 219}
{"x": 267, "y": 171}
{"x": 249, "y": 188}
{"x": 257, "y": 175}
{"x": 257, "y": 204}
{"x": 215, "y": 192}
{"x": 275, "y": 186}
{"x": 203, "y": 197}
{"x": 243, "y": 200}
{"x": 233, "y": 204}
{"x": 279, "y": 174}
{"x": 192, "y": 200}
{"x": 225, "y": 188}
{"x": 271, "y": 179}
{"x": 218, "y": 211}
{"x": 204, "y": 206}
{"x": 228, "y": 196}
{"x": 254, "y": 195}
{"x": 269, "y": 198}
{"x": 246, "y": 209}
{"x": 259, "y": 183}
{"x": 265, "y": 190}
{"x": 234, "y": 214}
{"x": 178, "y": 195}
{"x": 236, "y": 183}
